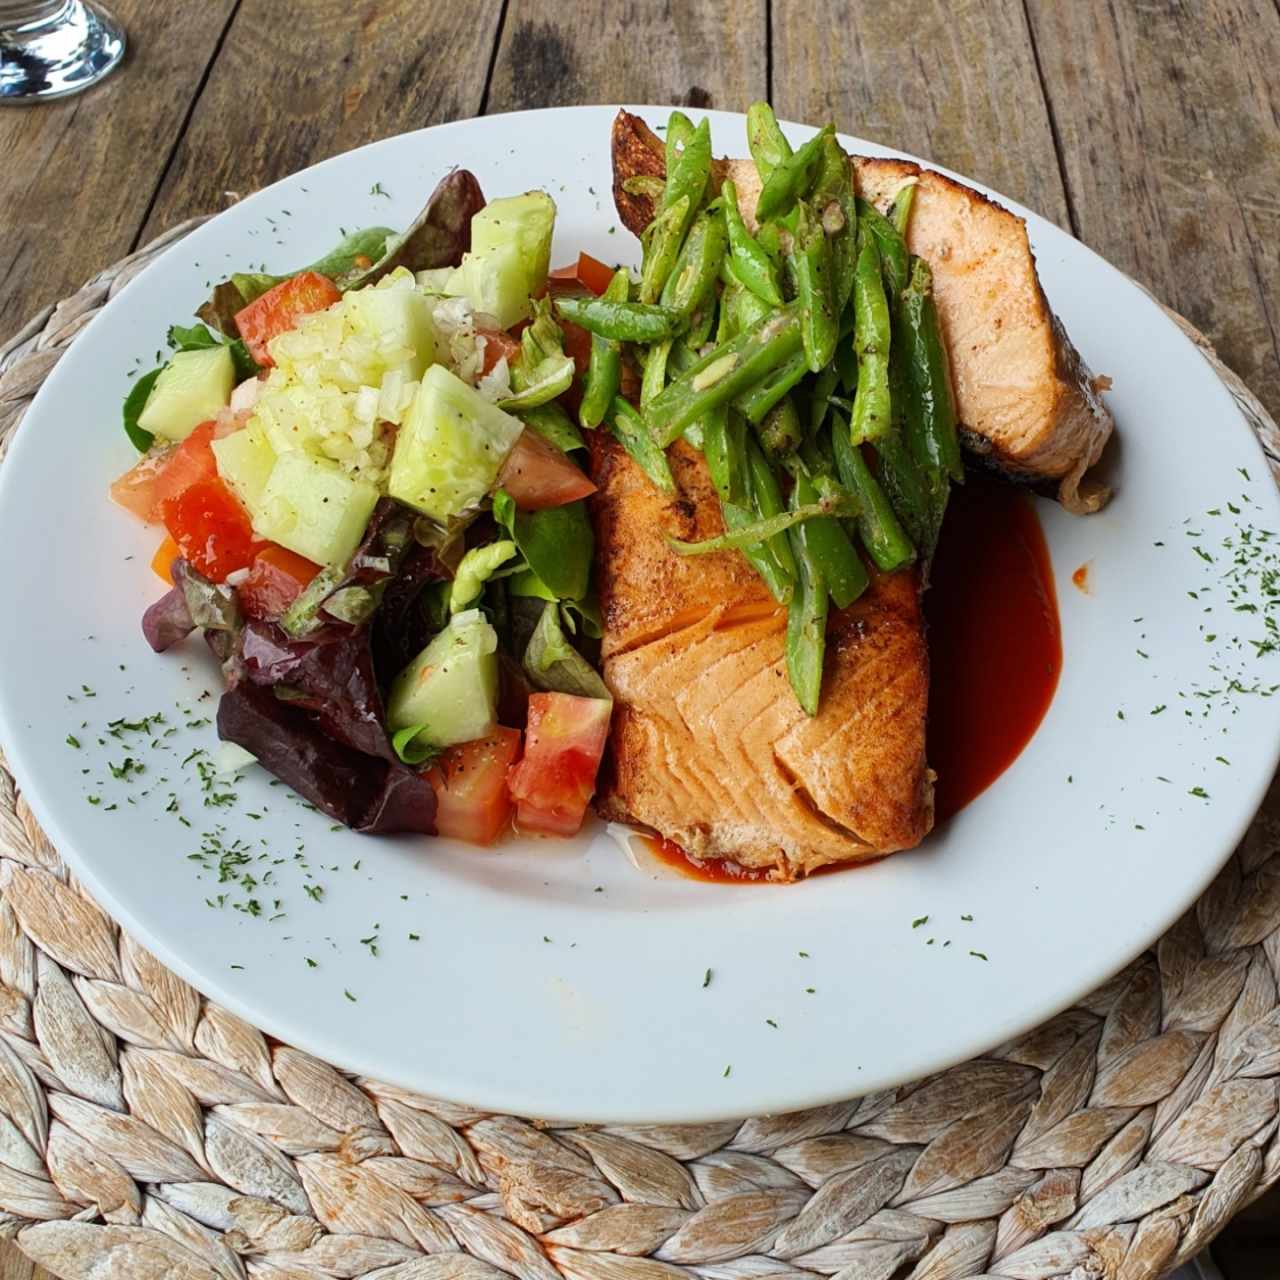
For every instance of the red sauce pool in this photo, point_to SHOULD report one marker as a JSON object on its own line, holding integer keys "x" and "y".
{"x": 995, "y": 652}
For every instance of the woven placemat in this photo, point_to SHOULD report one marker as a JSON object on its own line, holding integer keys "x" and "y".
{"x": 145, "y": 1132}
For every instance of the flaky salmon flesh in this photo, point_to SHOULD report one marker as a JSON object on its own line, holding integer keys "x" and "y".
{"x": 1025, "y": 399}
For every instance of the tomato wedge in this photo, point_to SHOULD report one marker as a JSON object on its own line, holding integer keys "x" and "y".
{"x": 470, "y": 782}
{"x": 135, "y": 491}
{"x": 588, "y": 272}
{"x": 497, "y": 344}
{"x": 279, "y": 309}
{"x": 537, "y": 474}
{"x": 159, "y": 476}
{"x": 211, "y": 528}
{"x": 556, "y": 776}
{"x": 276, "y": 579}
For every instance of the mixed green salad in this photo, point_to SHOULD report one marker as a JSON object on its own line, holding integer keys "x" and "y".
{"x": 367, "y": 469}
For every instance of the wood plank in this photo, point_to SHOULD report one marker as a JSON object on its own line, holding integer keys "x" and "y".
{"x": 954, "y": 81}
{"x": 1166, "y": 114}
{"x": 15, "y": 1265}
{"x": 554, "y": 53}
{"x": 79, "y": 174}
{"x": 332, "y": 76}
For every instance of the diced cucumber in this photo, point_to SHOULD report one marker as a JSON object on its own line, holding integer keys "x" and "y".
{"x": 434, "y": 279}
{"x": 396, "y": 314}
{"x": 451, "y": 687}
{"x": 190, "y": 390}
{"x": 496, "y": 284}
{"x": 313, "y": 507}
{"x": 529, "y": 221}
{"x": 510, "y": 253}
{"x": 245, "y": 459}
{"x": 450, "y": 447}
{"x": 298, "y": 417}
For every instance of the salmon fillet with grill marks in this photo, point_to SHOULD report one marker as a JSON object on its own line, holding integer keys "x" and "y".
{"x": 1026, "y": 401}
{"x": 709, "y": 746}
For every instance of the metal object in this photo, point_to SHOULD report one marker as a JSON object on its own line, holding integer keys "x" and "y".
{"x": 52, "y": 48}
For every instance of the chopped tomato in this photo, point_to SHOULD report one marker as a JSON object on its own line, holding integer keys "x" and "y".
{"x": 276, "y": 579}
{"x": 211, "y": 528}
{"x": 577, "y": 343}
{"x": 556, "y": 776}
{"x": 588, "y": 272}
{"x": 164, "y": 474}
{"x": 135, "y": 491}
{"x": 279, "y": 309}
{"x": 470, "y": 782}
{"x": 497, "y": 344}
{"x": 191, "y": 462}
{"x": 162, "y": 562}
{"x": 537, "y": 474}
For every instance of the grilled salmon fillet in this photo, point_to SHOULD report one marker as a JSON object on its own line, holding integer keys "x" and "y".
{"x": 709, "y": 746}
{"x": 1026, "y": 401}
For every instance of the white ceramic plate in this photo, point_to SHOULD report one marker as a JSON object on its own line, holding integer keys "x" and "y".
{"x": 558, "y": 979}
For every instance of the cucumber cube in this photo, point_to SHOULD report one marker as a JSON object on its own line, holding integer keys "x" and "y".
{"x": 313, "y": 507}
{"x": 451, "y": 687}
{"x": 397, "y": 316}
{"x": 193, "y": 386}
{"x": 245, "y": 459}
{"x": 450, "y": 447}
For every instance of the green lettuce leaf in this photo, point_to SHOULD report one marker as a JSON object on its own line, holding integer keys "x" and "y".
{"x": 134, "y": 403}
{"x": 554, "y": 665}
{"x": 556, "y": 543}
{"x": 543, "y": 371}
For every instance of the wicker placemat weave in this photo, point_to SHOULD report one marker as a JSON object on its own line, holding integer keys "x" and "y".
{"x": 147, "y": 1133}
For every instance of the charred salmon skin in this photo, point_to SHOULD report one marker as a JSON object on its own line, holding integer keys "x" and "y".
{"x": 709, "y": 746}
{"x": 1027, "y": 403}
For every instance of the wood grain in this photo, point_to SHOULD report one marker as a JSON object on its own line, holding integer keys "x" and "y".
{"x": 288, "y": 90}
{"x": 703, "y": 55}
{"x": 1167, "y": 118}
{"x": 78, "y": 175}
{"x": 15, "y": 1265}
{"x": 952, "y": 80}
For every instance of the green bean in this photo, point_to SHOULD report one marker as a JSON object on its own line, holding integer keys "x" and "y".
{"x": 846, "y": 364}
{"x": 661, "y": 240}
{"x": 623, "y": 321}
{"x": 893, "y": 249}
{"x": 900, "y": 213}
{"x": 758, "y": 531}
{"x": 702, "y": 321}
{"x": 655, "y": 371}
{"x": 807, "y": 615}
{"x": 726, "y": 326}
{"x": 681, "y": 198}
{"x": 820, "y": 393}
{"x": 604, "y": 372}
{"x": 769, "y": 148}
{"x": 698, "y": 266}
{"x": 628, "y": 426}
{"x": 836, "y": 556}
{"x": 791, "y": 179}
{"x": 930, "y": 407}
{"x": 746, "y": 309}
{"x": 724, "y": 445}
{"x": 810, "y": 263}
{"x": 754, "y": 403}
{"x": 725, "y": 372}
{"x": 879, "y": 527}
{"x": 766, "y": 499}
{"x": 780, "y": 432}
{"x": 751, "y": 265}
{"x": 917, "y": 498}
{"x": 679, "y": 135}
{"x": 872, "y": 407}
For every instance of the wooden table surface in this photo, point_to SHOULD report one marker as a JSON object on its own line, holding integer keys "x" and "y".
{"x": 1148, "y": 128}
